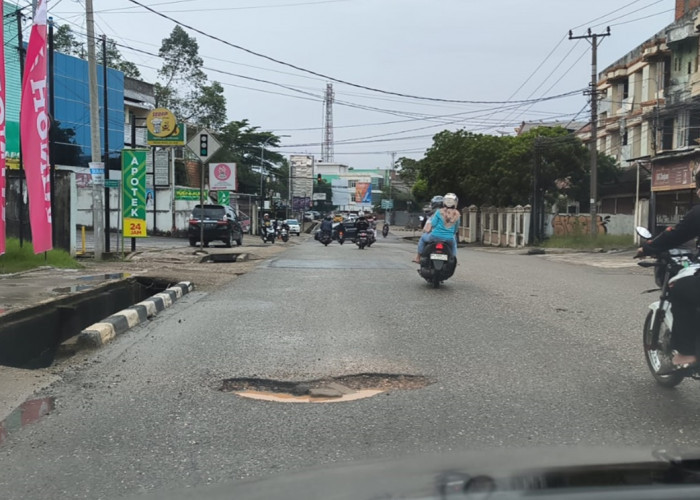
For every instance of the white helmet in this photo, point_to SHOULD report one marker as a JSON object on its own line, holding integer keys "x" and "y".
{"x": 450, "y": 200}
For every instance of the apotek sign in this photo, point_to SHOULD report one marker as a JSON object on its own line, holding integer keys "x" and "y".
{"x": 134, "y": 192}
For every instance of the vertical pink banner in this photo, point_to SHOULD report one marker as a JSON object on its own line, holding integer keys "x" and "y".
{"x": 3, "y": 144}
{"x": 34, "y": 130}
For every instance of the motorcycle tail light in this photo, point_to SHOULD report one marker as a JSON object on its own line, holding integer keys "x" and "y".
{"x": 221, "y": 223}
{"x": 439, "y": 246}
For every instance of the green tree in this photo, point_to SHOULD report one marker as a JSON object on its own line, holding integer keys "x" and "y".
{"x": 408, "y": 170}
{"x": 64, "y": 41}
{"x": 116, "y": 61}
{"x": 211, "y": 106}
{"x": 241, "y": 143}
{"x": 485, "y": 169}
{"x": 181, "y": 74}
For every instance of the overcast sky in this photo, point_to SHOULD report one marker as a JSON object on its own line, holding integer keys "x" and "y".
{"x": 466, "y": 50}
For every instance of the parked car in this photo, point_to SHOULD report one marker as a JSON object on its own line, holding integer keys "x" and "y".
{"x": 294, "y": 227}
{"x": 220, "y": 224}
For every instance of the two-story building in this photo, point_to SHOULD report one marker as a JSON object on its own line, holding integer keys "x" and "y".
{"x": 649, "y": 120}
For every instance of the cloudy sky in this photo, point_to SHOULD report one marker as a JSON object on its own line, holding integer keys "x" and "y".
{"x": 394, "y": 64}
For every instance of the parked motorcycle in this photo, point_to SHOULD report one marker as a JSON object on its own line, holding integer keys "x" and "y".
{"x": 362, "y": 239}
{"x": 268, "y": 234}
{"x": 325, "y": 237}
{"x": 669, "y": 266}
{"x": 437, "y": 263}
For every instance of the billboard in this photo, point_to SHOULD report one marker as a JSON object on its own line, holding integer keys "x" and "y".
{"x": 134, "y": 192}
{"x": 302, "y": 173}
{"x": 363, "y": 192}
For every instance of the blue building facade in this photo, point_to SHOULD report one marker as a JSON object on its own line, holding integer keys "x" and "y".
{"x": 72, "y": 101}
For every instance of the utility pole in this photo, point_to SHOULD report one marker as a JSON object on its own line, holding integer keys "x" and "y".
{"x": 592, "y": 38}
{"x": 95, "y": 147}
{"x": 391, "y": 188}
{"x": 20, "y": 202}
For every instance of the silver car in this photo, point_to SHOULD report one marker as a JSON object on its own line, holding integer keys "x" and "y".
{"x": 294, "y": 227}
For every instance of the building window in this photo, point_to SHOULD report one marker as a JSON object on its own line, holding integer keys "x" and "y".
{"x": 690, "y": 67}
{"x": 694, "y": 129}
{"x": 667, "y": 135}
{"x": 626, "y": 89}
{"x": 625, "y": 136}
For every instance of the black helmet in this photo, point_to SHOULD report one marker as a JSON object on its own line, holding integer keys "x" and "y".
{"x": 436, "y": 202}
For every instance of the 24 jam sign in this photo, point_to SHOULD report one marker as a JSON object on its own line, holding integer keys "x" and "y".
{"x": 222, "y": 176}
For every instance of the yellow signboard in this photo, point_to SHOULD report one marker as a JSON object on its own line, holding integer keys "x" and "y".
{"x": 134, "y": 228}
{"x": 161, "y": 122}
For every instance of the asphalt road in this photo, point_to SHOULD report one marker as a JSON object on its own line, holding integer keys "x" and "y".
{"x": 525, "y": 351}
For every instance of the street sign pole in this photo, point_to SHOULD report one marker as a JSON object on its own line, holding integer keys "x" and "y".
{"x": 201, "y": 206}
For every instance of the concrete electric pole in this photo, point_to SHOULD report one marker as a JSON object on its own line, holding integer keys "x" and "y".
{"x": 592, "y": 38}
{"x": 95, "y": 147}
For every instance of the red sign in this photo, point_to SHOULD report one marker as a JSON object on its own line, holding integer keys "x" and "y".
{"x": 34, "y": 130}
{"x": 222, "y": 177}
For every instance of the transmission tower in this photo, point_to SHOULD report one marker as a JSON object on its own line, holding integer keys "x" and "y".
{"x": 327, "y": 147}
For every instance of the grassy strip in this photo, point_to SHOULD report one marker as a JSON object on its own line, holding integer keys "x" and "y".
{"x": 586, "y": 242}
{"x": 18, "y": 259}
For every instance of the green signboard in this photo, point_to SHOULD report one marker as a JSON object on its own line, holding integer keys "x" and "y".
{"x": 134, "y": 192}
{"x": 187, "y": 194}
{"x": 387, "y": 204}
{"x": 223, "y": 197}
{"x": 177, "y": 138}
{"x": 112, "y": 183}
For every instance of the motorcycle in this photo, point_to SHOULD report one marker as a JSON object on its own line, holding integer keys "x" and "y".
{"x": 283, "y": 234}
{"x": 670, "y": 266}
{"x": 268, "y": 234}
{"x": 362, "y": 239}
{"x": 325, "y": 237}
{"x": 371, "y": 237}
{"x": 385, "y": 230}
{"x": 341, "y": 237}
{"x": 437, "y": 263}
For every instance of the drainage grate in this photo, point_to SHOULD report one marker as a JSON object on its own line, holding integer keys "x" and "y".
{"x": 329, "y": 390}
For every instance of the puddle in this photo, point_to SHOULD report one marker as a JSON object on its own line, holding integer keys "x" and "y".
{"x": 290, "y": 398}
{"x": 29, "y": 412}
{"x": 330, "y": 390}
{"x": 113, "y": 276}
{"x": 219, "y": 258}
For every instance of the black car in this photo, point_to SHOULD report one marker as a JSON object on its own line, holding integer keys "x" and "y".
{"x": 350, "y": 231}
{"x": 220, "y": 224}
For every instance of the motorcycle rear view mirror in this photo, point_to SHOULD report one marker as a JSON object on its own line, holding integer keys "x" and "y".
{"x": 644, "y": 232}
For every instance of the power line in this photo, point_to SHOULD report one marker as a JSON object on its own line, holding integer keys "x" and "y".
{"x": 321, "y": 75}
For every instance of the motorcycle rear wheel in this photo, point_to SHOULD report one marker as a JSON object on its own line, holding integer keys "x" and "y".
{"x": 656, "y": 358}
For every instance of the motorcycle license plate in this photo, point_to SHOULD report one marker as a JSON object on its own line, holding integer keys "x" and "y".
{"x": 438, "y": 256}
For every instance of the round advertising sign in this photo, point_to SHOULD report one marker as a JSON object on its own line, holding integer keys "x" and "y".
{"x": 222, "y": 172}
{"x": 161, "y": 122}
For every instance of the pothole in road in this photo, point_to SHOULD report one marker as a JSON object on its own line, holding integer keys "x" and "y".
{"x": 328, "y": 390}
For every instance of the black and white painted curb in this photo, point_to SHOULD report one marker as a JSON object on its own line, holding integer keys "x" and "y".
{"x": 99, "y": 334}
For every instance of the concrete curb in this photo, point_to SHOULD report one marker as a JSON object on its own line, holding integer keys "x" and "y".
{"x": 99, "y": 334}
